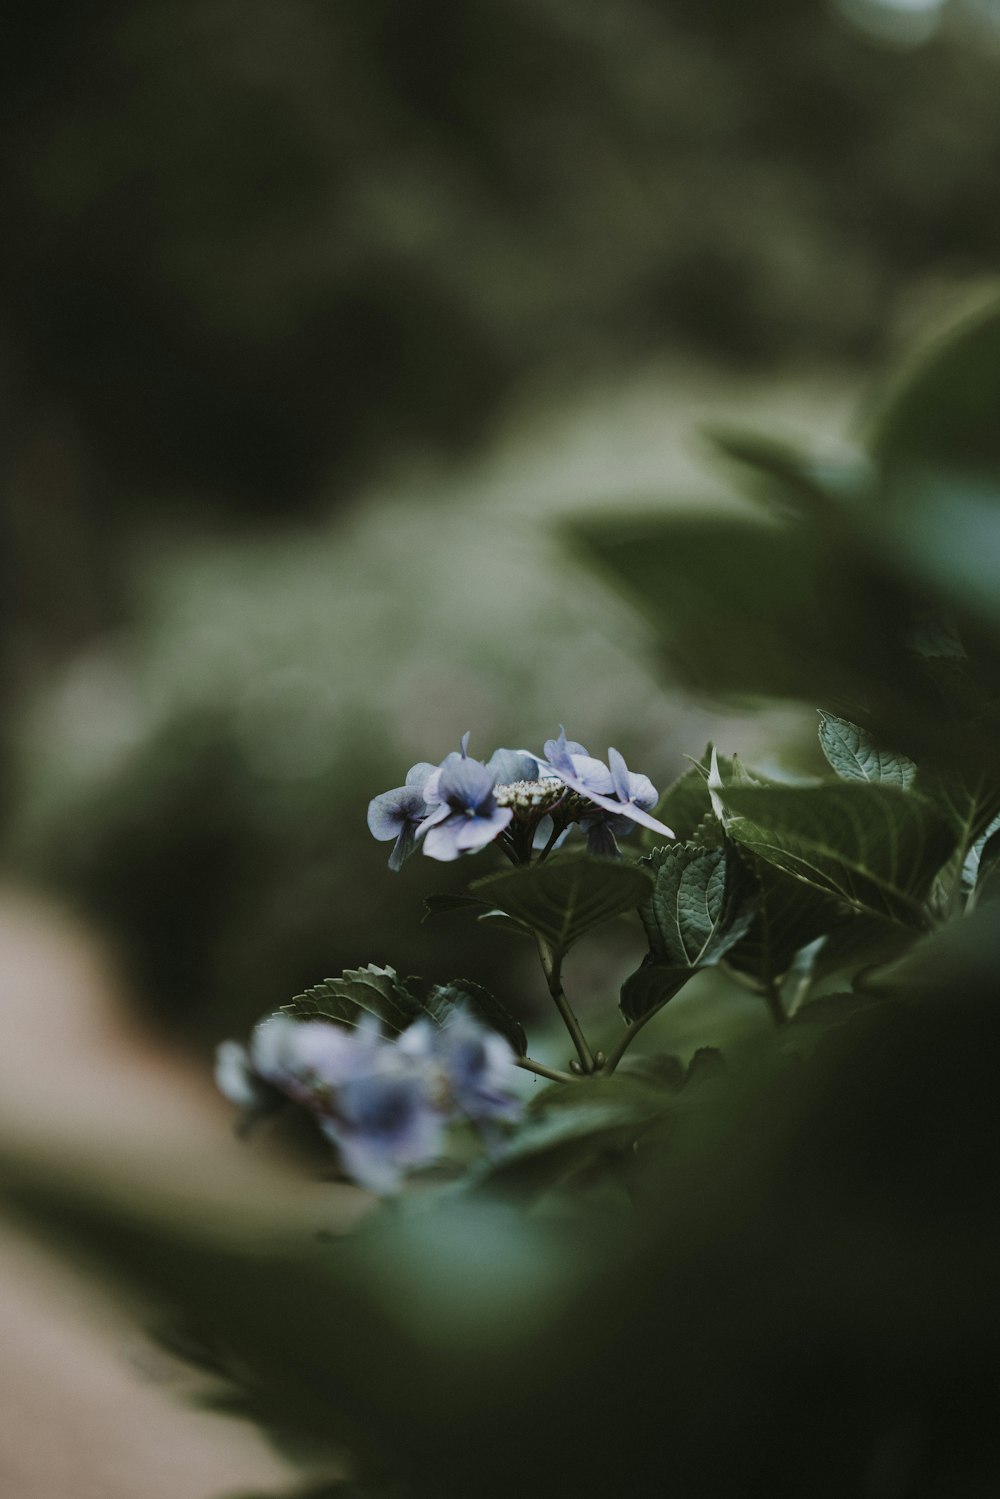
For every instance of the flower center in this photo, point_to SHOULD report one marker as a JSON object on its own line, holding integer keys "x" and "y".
{"x": 530, "y": 796}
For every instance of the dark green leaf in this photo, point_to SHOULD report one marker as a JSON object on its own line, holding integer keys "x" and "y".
{"x": 572, "y": 1126}
{"x": 855, "y": 756}
{"x": 942, "y": 415}
{"x": 790, "y": 915}
{"x": 444, "y": 998}
{"x": 988, "y": 870}
{"x": 702, "y": 902}
{"x": 359, "y": 992}
{"x": 498, "y": 920}
{"x": 857, "y": 942}
{"x": 653, "y": 984}
{"x": 960, "y": 960}
{"x": 819, "y": 1016}
{"x": 780, "y": 475}
{"x": 438, "y": 905}
{"x": 807, "y": 612}
{"x": 874, "y": 847}
{"x": 968, "y": 800}
{"x": 564, "y": 898}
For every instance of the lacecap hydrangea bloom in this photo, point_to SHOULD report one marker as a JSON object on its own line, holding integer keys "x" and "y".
{"x": 384, "y": 1104}
{"x": 524, "y": 800}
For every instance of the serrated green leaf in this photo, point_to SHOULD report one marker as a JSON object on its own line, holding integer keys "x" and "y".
{"x": 445, "y": 998}
{"x": 358, "y": 992}
{"x": 854, "y": 755}
{"x": 702, "y": 902}
{"x": 874, "y": 847}
{"x": 563, "y": 899}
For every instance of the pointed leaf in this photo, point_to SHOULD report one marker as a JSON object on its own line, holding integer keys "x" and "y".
{"x": 854, "y": 755}
{"x": 942, "y": 415}
{"x": 444, "y": 998}
{"x": 438, "y": 905}
{"x": 779, "y": 475}
{"x": 564, "y": 898}
{"x": 988, "y": 870}
{"x": 702, "y": 902}
{"x": 498, "y": 920}
{"x": 686, "y": 803}
{"x": 790, "y": 915}
{"x": 806, "y": 611}
{"x": 653, "y": 984}
{"x": 874, "y": 847}
{"x": 967, "y": 799}
{"x": 359, "y": 992}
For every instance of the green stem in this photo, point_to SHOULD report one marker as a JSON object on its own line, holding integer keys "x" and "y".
{"x": 550, "y": 845}
{"x": 625, "y": 1041}
{"x": 772, "y": 997}
{"x": 551, "y": 967}
{"x": 552, "y": 1073}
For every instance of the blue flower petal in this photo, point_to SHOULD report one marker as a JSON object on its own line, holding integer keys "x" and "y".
{"x": 418, "y": 774}
{"x": 388, "y": 812}
{"x": 507, "y": 766}
{"x": 478, "y": 831}
{"x": 465, "y": 784}
{"x": 619, "y": 774}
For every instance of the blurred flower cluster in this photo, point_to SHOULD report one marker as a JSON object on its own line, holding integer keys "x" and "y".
{"x": 384, "y": 1103}
{"x": 526, "y": 800}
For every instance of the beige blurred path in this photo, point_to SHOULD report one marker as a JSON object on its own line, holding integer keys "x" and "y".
{"x": 86, "y": 1411}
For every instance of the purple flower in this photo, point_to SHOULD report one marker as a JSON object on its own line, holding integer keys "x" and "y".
{"x": 308, "y": 1059}
{"x": 385, "y": 1121}
{"x": 626, "y": 797}
{"x": 381, "y": 1107}
{"x": 475, "y": 1063}
{"x": 478, "y": 1062}
{"x": 384, "y": 1104}
{"x": 398, "y": 813}
{"x": 509, "y": 767}
{"x": 236, "y": 1079}
{"x": 464, "y": 815}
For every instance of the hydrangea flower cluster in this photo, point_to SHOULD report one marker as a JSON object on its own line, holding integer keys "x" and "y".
{"x": 383, "y": 1103}
{"x": 525, "y": 800}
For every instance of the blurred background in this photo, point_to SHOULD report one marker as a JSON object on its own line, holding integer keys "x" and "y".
{"x": 315, "y": 318}
{"x": 315, "y": 315}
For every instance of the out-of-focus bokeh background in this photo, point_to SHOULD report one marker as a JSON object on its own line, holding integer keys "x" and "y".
{"x": 315, "y": 318}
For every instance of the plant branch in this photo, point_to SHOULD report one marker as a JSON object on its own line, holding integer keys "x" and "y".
{"x": 772, "y": 997}
{"x": 625, "y": 1040}
{"x": 552, "y": 1073}
{"x": 551, "y": 967}
{"x": 556, "y": 831}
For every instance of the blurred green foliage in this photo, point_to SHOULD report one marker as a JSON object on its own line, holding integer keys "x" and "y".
{"x": 771, "y": 1271}
{"x": 253, "y": 249}
{"x": 198, "y": 785}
